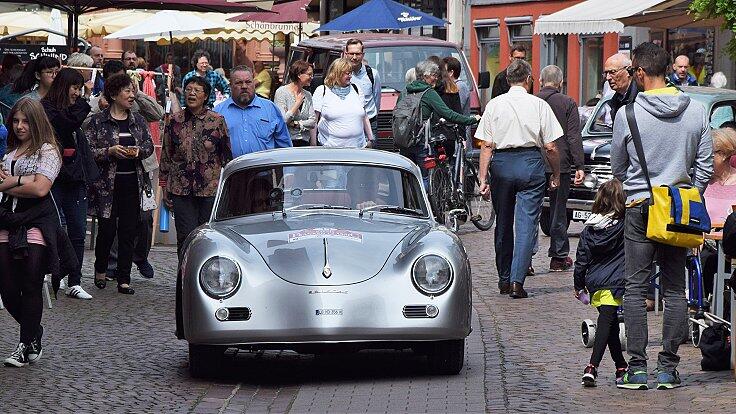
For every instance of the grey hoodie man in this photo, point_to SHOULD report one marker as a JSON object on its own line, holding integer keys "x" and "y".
{"x": 676, "y": 138}
{"x": 676, "y": 141}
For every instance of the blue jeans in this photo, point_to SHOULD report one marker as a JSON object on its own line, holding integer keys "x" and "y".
{"x": 517, "y": 190}
{"x": 71, "y": 201}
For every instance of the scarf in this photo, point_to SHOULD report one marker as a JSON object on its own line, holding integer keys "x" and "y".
{"x": 341, "y": 91}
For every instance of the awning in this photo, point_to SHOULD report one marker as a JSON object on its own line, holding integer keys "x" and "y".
{"x": 592, "y": 17}
{"x": 671, "y": 14}
{"x": 248, "y": 31}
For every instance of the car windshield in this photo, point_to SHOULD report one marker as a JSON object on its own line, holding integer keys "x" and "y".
{"x": 392, "y": 62}
{"x": 320, "y": 186}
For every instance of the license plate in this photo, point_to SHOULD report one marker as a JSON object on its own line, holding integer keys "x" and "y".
{"x": 580, "y": 215}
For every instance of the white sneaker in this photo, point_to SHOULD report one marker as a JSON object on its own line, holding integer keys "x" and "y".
{"x": 78, "y": 293}
{"x": 62, "y": 284}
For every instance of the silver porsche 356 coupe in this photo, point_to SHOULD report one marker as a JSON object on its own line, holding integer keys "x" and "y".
{"x": 317, "y": 249}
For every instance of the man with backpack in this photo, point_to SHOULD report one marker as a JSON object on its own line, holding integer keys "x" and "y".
{"x": 422, "y": 104}
{"x": 366, "y": 79}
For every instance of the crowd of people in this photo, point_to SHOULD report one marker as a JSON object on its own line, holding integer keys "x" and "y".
{"x": 78, "y": 147}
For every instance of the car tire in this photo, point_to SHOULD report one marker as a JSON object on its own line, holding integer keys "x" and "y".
{"x": 544, "y": 222}
{"x": 205, "y": 360}
{"x": 446, "y": 357}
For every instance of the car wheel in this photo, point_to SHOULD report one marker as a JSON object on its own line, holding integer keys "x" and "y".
{"x": 446, "y": 357}
{"x": 205, "y": 360}
{"x": 544, "y": 223}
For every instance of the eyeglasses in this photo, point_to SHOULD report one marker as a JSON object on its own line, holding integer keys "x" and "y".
{"x": 196, "y": 91}
{"x": 613, "y": 71}
{"x": 52, "y": 72}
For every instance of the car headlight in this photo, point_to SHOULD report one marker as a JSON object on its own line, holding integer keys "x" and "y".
{"x": 432, "y": 274}
{"x": 219, "y": 277}
{"x": 590, "y": 181}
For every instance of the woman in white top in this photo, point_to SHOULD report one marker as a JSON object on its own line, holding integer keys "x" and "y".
{"x": 341, "y": 116}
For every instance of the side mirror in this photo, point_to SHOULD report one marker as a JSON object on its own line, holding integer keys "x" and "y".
{"x": 484, "y": 80}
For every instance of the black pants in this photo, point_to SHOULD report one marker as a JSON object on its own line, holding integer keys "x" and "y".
{"x": 21, "y": 281}
{"x": 606, "y": 334}
{"x": 141, "y": 246}
{"x": 123, "y": 222}
{"x": 190, "y": 212}
{"x": 559, "y": 243}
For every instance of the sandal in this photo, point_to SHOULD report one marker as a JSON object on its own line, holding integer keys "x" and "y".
{"x": 100, "y": 282}
{"x": 125, "y": 290}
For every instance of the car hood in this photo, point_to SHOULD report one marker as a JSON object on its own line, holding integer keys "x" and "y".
{"x": 326, "y": 249}
{"x": 597, "y": 150}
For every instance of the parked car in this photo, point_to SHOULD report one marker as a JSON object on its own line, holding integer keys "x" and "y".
{"x": 391, "y": 55}
{"x": 313, "y": 249}
{"x": 597, "y": 134}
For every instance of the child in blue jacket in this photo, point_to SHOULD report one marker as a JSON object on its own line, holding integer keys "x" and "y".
{"x": 599, "y": 269}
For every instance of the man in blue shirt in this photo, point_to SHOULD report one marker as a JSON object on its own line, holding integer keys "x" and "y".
{"x": 367, "y": 80}
{"x": 255, "y": 124}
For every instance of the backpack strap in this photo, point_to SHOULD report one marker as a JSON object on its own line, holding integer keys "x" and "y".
{"x": 369, "y": 72}
{"x": 636, "y": 137}
{"x": 355, "y": 87}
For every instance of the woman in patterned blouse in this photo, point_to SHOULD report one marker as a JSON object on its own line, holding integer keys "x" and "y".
{"x": 196, "y": 146}
{"x": 119, "y": 140}
{"x": 28, "y": 171}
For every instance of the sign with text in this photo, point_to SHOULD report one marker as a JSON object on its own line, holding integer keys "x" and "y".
{"x": 30, "y": 52}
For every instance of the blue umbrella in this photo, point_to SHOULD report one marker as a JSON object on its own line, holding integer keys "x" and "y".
{"x": 381, "y": 14}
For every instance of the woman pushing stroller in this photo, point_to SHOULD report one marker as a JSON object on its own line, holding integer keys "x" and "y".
{"x": 599, "y": 270}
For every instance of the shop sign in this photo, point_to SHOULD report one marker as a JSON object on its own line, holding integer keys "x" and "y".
{"x": 30, "y": 52}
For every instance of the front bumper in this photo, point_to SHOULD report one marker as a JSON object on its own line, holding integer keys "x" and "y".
{"x": 285, "y": 313}
{"x": 573, "y": 204}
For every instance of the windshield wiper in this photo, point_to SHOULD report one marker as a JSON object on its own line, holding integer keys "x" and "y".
{"x": 388, "y": 208}
{"x": 326, "y": 207}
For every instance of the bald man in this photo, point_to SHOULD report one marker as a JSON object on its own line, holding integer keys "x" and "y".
{"x": 616, "y": 71}
{"x": 98, "y": 58}
{"x": 680, "y": 73}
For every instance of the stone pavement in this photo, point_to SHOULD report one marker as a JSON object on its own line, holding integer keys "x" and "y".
{"x": 118, "y": 353}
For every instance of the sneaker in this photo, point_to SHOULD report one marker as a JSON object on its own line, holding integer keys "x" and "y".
{"x": 35, "y": 350}
{"x": 589, "y": 376}
{"x": 19, "y": 357}
{"x": 620, "y": 373}
{"x": 636, "y": 380}
{"x": 145, "y": 269}
{"x": 668, "y": 381}
{"x": 62, "y": 284}
{"x": 560, "y": 265}
{"x": 78, "y": 293}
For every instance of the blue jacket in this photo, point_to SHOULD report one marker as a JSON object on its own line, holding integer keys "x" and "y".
{"x": 3, "y": 140}
{"x": 689, "y": 81}
{"x": 600, "y": 259}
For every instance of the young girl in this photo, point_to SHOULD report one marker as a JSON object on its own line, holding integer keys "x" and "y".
{"x": 599, "y": 269}
{"x": 28, "y": 171}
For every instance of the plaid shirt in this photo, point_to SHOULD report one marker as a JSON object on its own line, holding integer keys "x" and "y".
{"x": 216, "y": 82}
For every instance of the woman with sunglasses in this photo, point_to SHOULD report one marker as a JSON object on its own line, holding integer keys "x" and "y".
{"x": 196, "y": 146}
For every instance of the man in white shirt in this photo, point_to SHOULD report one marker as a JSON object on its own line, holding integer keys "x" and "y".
{"x": 366, "y": 79}
{"x": 514, "y": 127}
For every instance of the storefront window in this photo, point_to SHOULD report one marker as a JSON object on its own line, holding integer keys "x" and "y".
{"x": 592, "y": 67}
{"x": 489, "y": 40}
{"x": 522, "y": 33}
{"x": 554, "y": 52}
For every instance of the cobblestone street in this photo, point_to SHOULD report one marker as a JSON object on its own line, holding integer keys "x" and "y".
{"x": 118, "y": 353}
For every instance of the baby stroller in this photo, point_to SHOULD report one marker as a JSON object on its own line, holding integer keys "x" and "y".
{"x": 587, "y": 330}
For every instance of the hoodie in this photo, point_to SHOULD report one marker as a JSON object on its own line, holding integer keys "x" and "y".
{"x": 675, "y": 137}
{"x": 432, "y": 105}
{"x": 599, "y": 263}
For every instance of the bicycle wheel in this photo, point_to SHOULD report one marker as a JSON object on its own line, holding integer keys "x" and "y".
{"x": 482, "y": 213}
{"x": 439, "y": 185}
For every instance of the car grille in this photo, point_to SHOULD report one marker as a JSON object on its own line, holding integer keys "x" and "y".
{"x": 239, "y": 314}
{"x": 416, "y": 311}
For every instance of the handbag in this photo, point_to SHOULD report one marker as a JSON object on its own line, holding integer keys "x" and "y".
{"x": 677, "y": 216}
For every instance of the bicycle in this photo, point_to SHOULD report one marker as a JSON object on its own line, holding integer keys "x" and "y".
{"x": 454, "y": 185}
